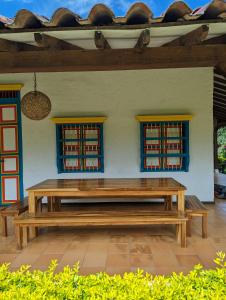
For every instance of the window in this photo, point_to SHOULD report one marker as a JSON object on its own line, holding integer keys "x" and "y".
{"x": 80, "y": 147}
{"x": 164, "y": 146}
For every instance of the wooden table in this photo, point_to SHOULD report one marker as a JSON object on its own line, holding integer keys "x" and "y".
{"x": 107, "y": 188}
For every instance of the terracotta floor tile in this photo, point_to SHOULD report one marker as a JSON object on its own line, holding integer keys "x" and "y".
{"x": 118, "y": 248}
{"x": 25, "y": 259}
{"x": 139, "y": 248}
{"x": 72, "y": 257}
{"x": 94, "y": 259}
{"x": 56, "y": 247}
{"x": 7, "y": 258}
{"x": 118, "y": 271}
{"x": 118, "y": 260}
{"x": 141, "y": 261}
{"x": 188, "y": 260}
{"x": 45, "y": 259}
{"x": 90, "y": 270}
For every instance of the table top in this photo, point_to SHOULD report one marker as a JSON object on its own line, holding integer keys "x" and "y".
{"x": 111, "y": 184}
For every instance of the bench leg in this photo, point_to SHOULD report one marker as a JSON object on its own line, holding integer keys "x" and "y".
{"x": 168, "y": 203}
{"x": 204, "y": 226}
{"x": 4, "y": 226}
{"x": 178, "y": 231}
{"x": 51, "y": 204}
{"x": 57, "y": 204}
{"x": 25, "y": 236}
{"x": 189, "y": 226}
{"x": 183, "y": 235}
{"x": 19, "y": 236}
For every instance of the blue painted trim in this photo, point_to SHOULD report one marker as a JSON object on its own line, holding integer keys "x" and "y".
{"x": 16, "y": 101}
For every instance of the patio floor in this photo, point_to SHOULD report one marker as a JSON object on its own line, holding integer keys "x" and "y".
{"x": 118, "y": 250}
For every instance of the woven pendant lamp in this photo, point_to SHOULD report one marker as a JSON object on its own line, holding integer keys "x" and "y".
{"x": 35, "y": 105}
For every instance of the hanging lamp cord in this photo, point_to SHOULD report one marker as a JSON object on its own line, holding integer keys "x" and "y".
{"x": 35, "y": 83}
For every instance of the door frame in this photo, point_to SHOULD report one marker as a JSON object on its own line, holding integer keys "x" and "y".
{"x": 7, "y": 101}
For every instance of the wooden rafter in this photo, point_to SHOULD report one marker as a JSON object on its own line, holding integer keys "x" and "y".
{"x": 219, "y": 92}
{"x": 12, "y": 46}
{"x": 194, "y": 37}
{"x": 218, "y": 99}
{"x": 220, "y": 106}
{"x": 219, "y": 86}
{"x": 143, "y": 40}
{"x": 219, "y": 96}
{"x": 50, "y": 42}
{"x": 114, "y": 59}
{"x": 100, "y": 41}
{"x": 220, "y": 80}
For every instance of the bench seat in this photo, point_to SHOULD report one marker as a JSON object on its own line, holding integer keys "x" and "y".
{"x": 13, "y": 210}
{"x": 88, "y": 219}
{"x": 195, "y": 208}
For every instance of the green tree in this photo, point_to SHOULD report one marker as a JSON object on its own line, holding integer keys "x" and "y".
{"x": 221, "y": 141}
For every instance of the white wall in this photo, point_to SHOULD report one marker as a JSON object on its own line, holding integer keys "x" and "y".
{"x": 121, "y": 95}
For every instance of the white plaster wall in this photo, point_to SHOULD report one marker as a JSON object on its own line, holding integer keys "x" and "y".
{"x": 121, "y": 95}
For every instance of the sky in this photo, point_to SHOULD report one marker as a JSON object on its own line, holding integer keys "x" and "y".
{"x": 46, "y": 8}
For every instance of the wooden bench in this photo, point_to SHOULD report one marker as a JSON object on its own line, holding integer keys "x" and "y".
{"x": 13, "y": 210}
{"x": 102, "y": 218}
{"x": 194, "y": 208}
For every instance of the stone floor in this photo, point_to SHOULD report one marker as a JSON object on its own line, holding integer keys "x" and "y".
{"x": 117, "y": 250}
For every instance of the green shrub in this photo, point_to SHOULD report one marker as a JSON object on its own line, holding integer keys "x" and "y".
{"x": 198, "y": 284}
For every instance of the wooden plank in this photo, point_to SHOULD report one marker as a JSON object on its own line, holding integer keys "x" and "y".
{"x": 219, "y": 98}
{"x": 50, "y": 42}
{"x": 194, "y": 37}
{"x": 100, "y": 41}
{"x": 143, "y": 40}
{"x": 221, "y": 39}
{"x": 219, "y": 91}
{"x": 112, "y": 59}
{"x": 12, "y": 46}
{"x": 220, "y": 80}
{"x": 219, "y": 86}
{"x": 222, "y": 106}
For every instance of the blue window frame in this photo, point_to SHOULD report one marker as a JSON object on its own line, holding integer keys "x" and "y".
{"x": 80, "y": 147}
{"x": 164, "y": 146}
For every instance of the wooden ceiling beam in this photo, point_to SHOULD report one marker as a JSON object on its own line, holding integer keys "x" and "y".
{"x": 221, "y": 39}
{"x": 143, "y": 40}
{"x": 194, "y": 37}
{"x": 100, "y": 41}
{"x": 13, "y": 46}
{"x": 114, "y": 59}
{"x": 49, "y": 42}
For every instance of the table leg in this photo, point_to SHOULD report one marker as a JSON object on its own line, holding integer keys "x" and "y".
{"x": 180, "y": 202}
{"x": 180, "y": 208}
{"x": 32, "y": 210}
{"x": 4, "y": 226}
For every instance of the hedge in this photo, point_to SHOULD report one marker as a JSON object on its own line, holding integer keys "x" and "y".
{"x": 68, "y": 284}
